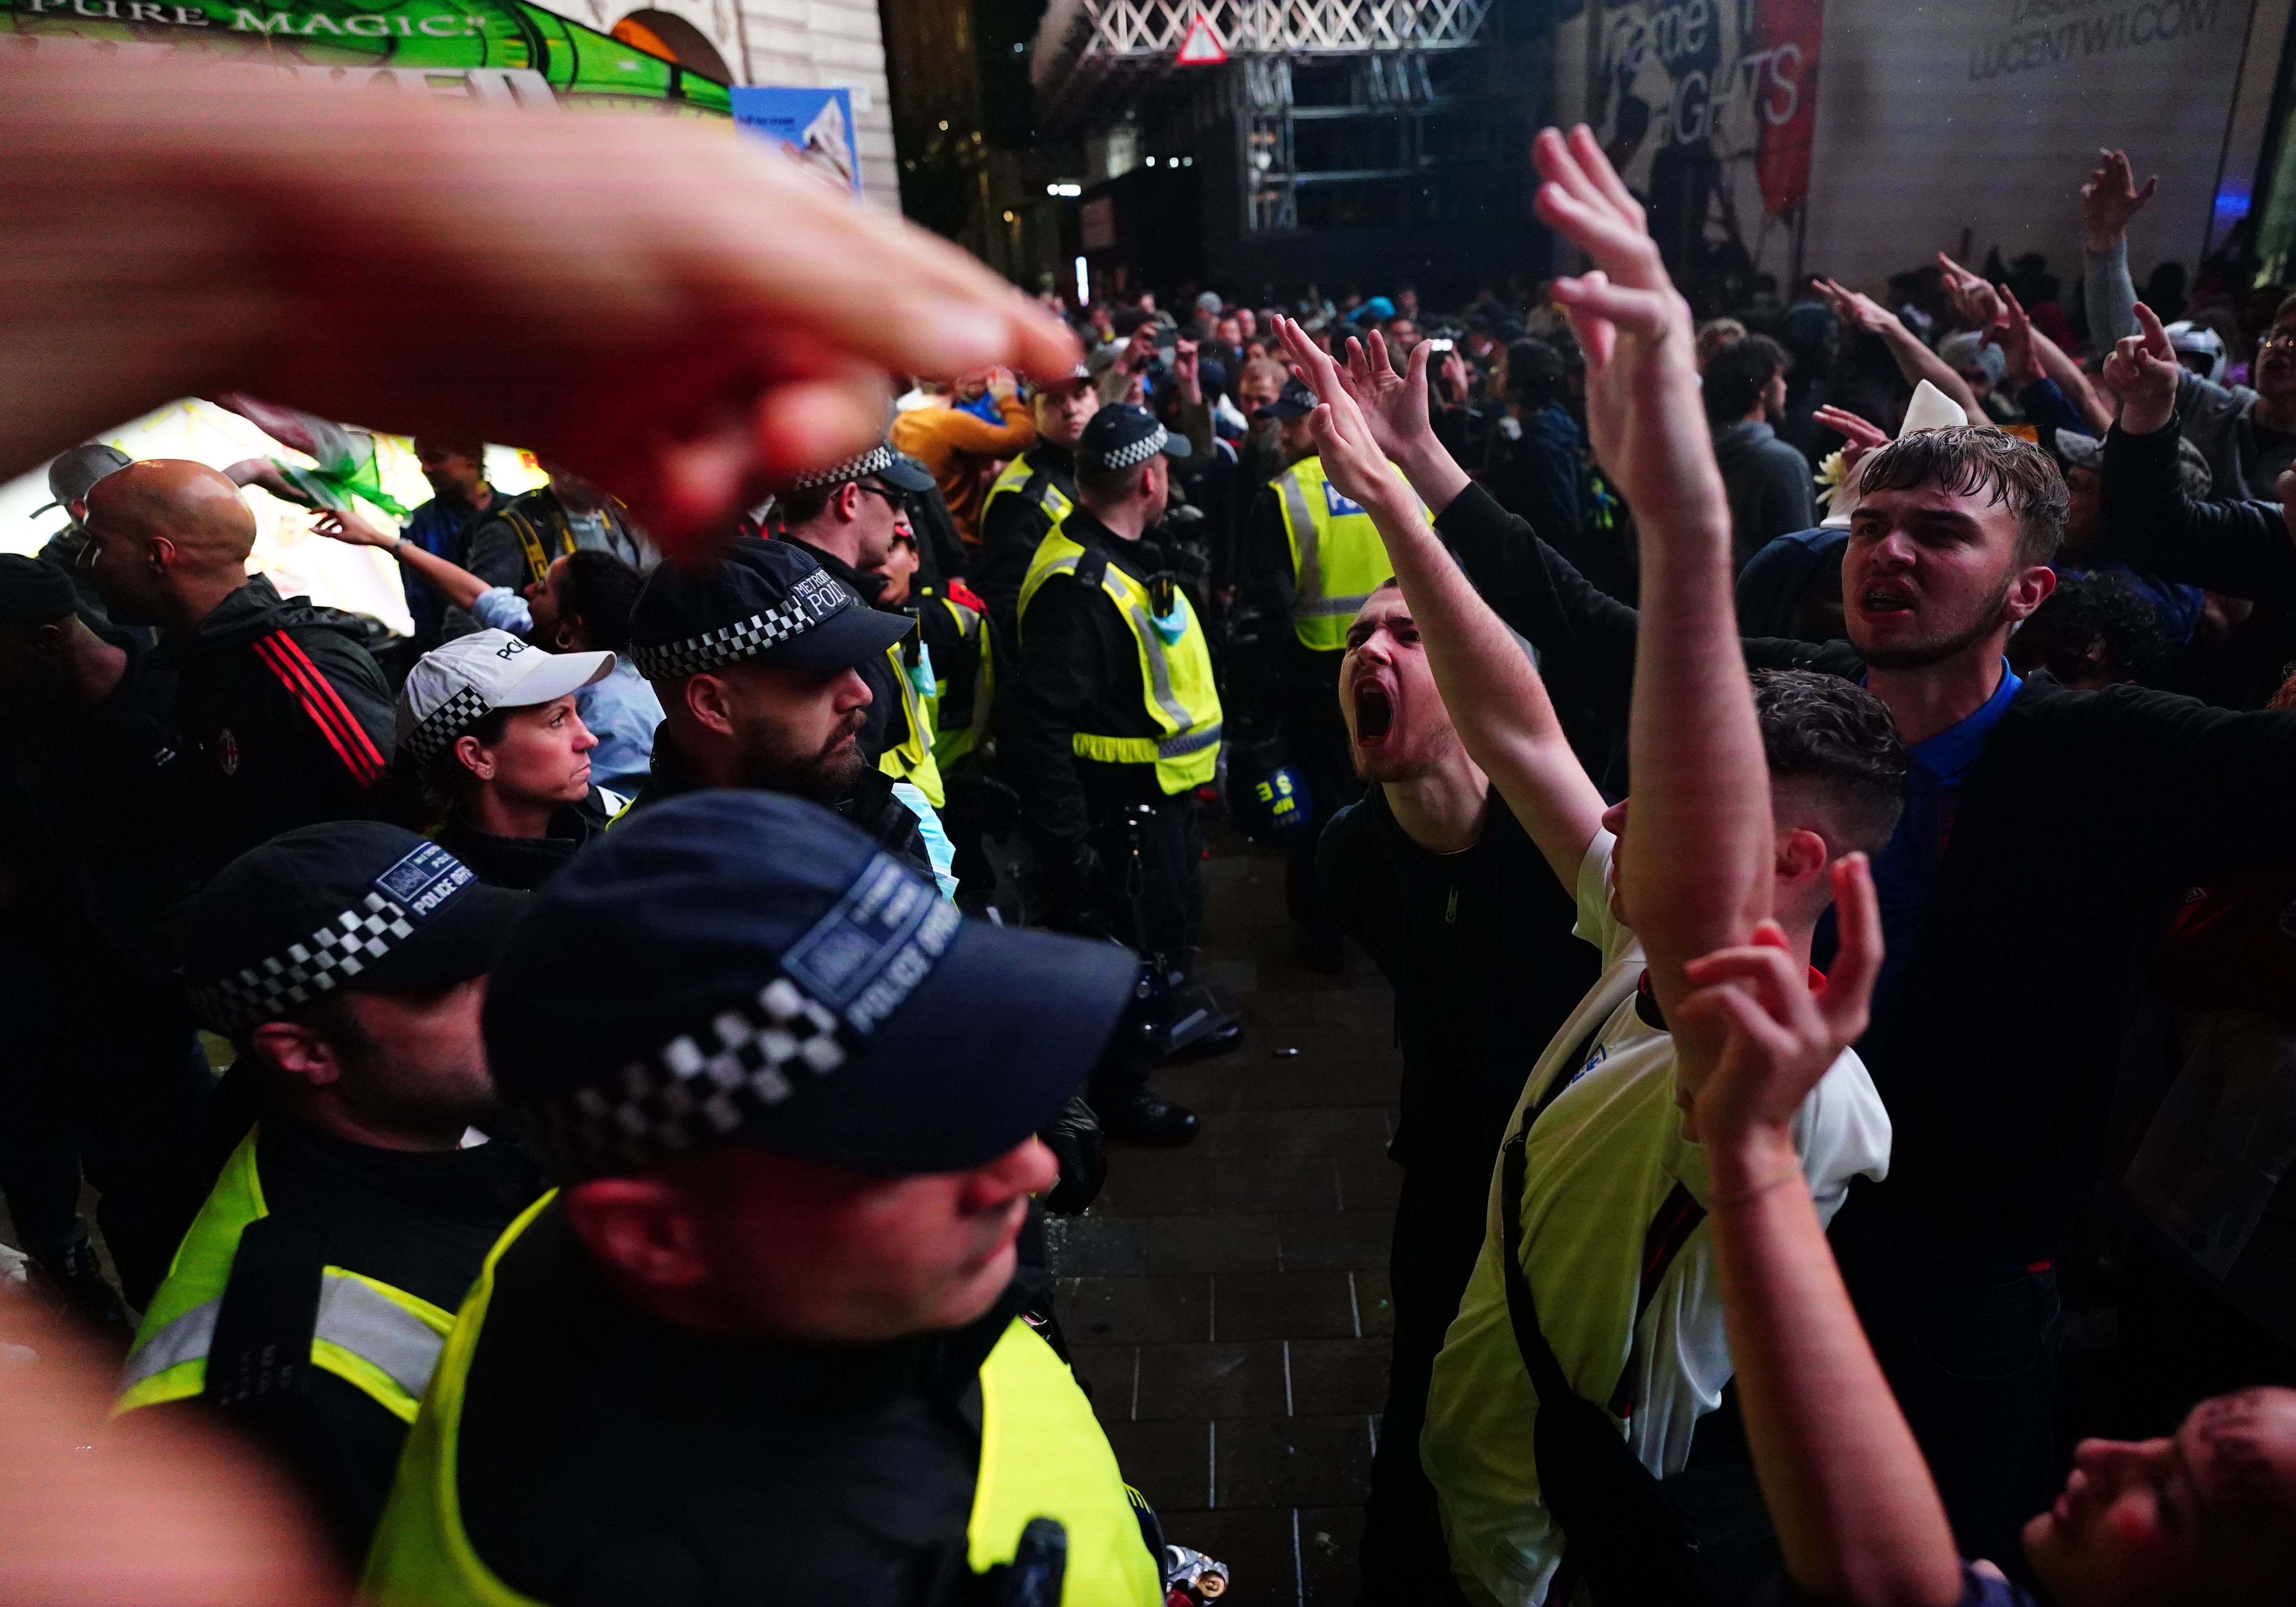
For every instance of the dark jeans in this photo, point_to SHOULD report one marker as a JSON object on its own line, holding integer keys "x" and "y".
{"x": 105, "y": 1080}
{"x": 1439, "y": 1232}
{"x": 1973, "y": 1359}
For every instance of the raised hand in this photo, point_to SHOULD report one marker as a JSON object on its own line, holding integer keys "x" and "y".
{"x": 350, "y": 528}
{"x": 2144, "y": 370}
{"x": 1857, "y": 308}
{"x": 2111, "y": 198}
{"x": 1394, "y": 403}
{"x": 1973, "y": 295}
{"x": 1345, "y": 439}
{"x": 1780, "y": 1037}
{"x": 2013, "y": 332}
{"x": 1187, "y": 370}
{"x": 1643, "y": 409}
{"x": 1862, "y": 433}
{"x": 709, "y": 323}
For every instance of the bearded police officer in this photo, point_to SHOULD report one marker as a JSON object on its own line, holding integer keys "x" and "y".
{"x": 848, "y": 518}
{"x": 346, "y": 961}
{"x": 762, "y": 1347}
{"x": 1314, "y": 560}
{"x": 1110, "y": 724}
{"x": 759, "y": 659}
{"x": 1034, "y": 493}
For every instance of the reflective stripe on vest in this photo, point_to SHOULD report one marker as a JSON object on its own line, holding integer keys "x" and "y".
{"x": 953, "y": 742}
{"x": 1042, "y": 1454}
{"x": 381, "y": 1341}
{"x": 911, "y": 759}
{"x": 1014, "y": 479}
{"x": 1181, "y": 696}
{"x": 1338, "y": 559}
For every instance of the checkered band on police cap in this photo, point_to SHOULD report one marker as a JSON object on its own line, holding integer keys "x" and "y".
{"x": 444, "y": 724}
{"x": 874, "y": 460}
{"x": 709, "y": 1084}
{"x": 817, "y": 598}
{"x": 1137, "y": 452}
{"x": 279, "y": 985}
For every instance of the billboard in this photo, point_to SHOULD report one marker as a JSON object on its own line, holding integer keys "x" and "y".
{"x": 1708, "y": 108}
{"x": 814, "y": 127}
{"x": 1982, "y": 116}
{"x": 499, "y": 51}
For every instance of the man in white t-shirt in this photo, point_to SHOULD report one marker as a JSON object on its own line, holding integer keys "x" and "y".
{"x": 1746, "y": 796}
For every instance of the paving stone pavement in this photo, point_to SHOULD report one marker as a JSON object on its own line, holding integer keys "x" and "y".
{"x": 1227, "y": 1302}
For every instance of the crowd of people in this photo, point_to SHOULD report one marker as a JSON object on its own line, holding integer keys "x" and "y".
{"x": 572, "y": 1095}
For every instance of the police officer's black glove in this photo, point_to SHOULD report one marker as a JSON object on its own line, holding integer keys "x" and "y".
{"x": 1076, "y": 884}
{"x": 1076, "y": 1140}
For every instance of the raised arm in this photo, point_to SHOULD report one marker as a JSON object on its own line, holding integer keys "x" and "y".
{"x": 1697, "y": 861}
{"x": 1858, "y": 1517}
{"x": 2243, "y": 549}
{"x": 1915, "y": 361}
{"x": 450, "y": 580}
{"x": 1493, "y": 694}
{"x": 2110, "y": 198}
{"x": 709, "y": 319}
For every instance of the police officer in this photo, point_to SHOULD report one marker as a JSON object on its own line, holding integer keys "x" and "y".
{"x": 489, "y": 723}
{"x": 1111, "y": 722}
{"x": 761, "y": 1347}
{"x": 759, "y": 660}
{"x": 847, "y": 517}
{"x": 1313, "y": 558}
{"x": 346, "y": 961}
{"x": 291, "y": 711}
{"x": 1034, "y": 493}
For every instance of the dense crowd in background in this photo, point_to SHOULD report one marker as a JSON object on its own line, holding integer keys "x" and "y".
{"x": 574, "y": 1093}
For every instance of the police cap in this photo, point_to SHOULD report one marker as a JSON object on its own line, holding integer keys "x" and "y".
{"x": 347, "y": 905}
{"x": 1122, "y": 435}
{"x": 769, "y": 601}
{"x": 737, "y": 965}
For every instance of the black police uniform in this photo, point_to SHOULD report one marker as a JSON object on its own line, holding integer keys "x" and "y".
{"x": 291, "y": 711}
{"x": 1079, "y": 670}
{"x": 1011, "y": 528}
{"x": 311, "y": 1296}
{"x": 526, "y": 862}
{"x": 600, "y": 1452}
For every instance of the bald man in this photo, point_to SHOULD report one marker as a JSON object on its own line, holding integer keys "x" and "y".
{"x": 293, "y": 712}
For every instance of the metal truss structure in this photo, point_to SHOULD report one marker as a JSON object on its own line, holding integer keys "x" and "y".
{"x": 1083, "y": 45}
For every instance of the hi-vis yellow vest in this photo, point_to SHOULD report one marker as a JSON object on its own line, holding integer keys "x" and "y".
{"x": 1042, "y": 1454}
{"x": 911, "y": 759}
{"x": 1021, "y": 478}
{"x": 1180, "y": 695}
{"x": 953, "y": 742}
{"x": 381, "y": 1341}
{"x": 1337, "y": 557}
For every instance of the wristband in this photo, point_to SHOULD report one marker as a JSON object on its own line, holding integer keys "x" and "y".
{"x": 398, "y": 546}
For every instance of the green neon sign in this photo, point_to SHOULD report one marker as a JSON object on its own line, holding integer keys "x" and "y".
{"x": 503, "y": 51}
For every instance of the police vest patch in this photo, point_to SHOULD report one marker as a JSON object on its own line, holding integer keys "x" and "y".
{"x": 1337, "y": 505}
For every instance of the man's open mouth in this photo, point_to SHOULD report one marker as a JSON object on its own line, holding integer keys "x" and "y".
{"x": 1374, "y": 711}
{"x": 1885, "y": 600}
